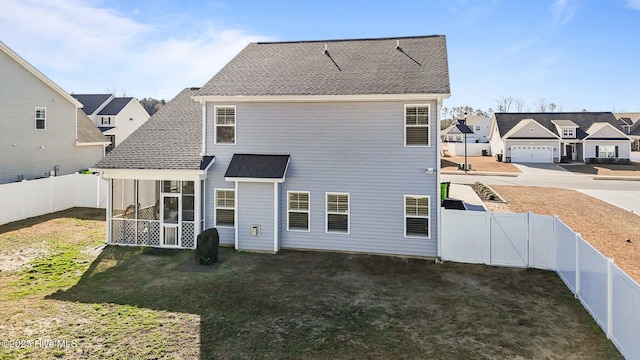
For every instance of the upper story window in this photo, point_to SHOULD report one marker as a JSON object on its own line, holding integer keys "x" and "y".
{"x": 477, "y": 127}
{"x": 105, "y": 120}
{"x": 568, "y": 133}
{"x": 225, "y": 124}
{"x": 416, "y": 120}
{"x": 41, "y": 118}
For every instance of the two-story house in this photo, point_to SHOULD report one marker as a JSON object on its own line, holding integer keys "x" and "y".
{"x": 116, "y": 117}
{"x": 329, "y": 145}
{"x": 555, "y": 137}
{"x": 44, "y": 130}
{"x": 479, "y": 125}
{"x": 630, "y": 123}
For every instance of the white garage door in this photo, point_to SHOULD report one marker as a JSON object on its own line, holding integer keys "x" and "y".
{"x": 532, "y": 154}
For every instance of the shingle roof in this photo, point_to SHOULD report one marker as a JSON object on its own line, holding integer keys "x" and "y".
{"x": 170, "y": 139}
{"x": 349, "y": 67}
{"x": 87, "y": 130}
{"x": 115, "y": 106}
{"x": 256, "y": 166}
{"x": 91, "y": 102}
{"x": 626, "y": 121}
{"x": 506, "y": 121}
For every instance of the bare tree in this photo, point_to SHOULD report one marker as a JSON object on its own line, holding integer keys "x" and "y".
{"x": 519, "y": 105}
{"x": 552, "y": 107}
{"x": 541, "y": 105}
{"x": 445, "y": 111}
{"x": 504, "y": 103}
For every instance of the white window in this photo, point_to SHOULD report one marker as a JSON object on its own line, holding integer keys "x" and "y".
{"x": 416, "y": 122}
{"x": 105, "y": 120}
{"x": 416, "y": 214}
{"x": 225, "y": 207}
{"x": 338, "y": 212}
{"x": 568, "y": 133}
{"x": 477, "y": 127}
{"x": 41, "y": 118}
{"x": 225, "y": 124}
{"x": 298, "y": 211}
{"x": 607, "y": 151}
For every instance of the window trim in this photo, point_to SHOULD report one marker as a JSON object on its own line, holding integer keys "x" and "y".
{"x": 105, "y": 120}
{"x": 308, "y": 212}
{"x": 428, "y": 125}
{"x": 216, "y": 207}
{"x": 428, "y": 217}
{"x": 568, "y": 133}
{"x": 215, "y": 124}
{"x": 599, "y": 151}
{"x": 326, "y": 213}
{"x": 36, "y": 118}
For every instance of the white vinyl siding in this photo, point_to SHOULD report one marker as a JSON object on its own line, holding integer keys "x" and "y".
{"x": 416, "y": 214}
{"x": 416, "y": 120}
{"x": 225, "y": 207}
{"x": 225, "y": 124}
{"x": 41, "y": 118}
{"x": 338, "y": 213}
{"x": 298, "y": 211}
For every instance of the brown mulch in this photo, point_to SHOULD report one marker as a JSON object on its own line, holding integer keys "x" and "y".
{"x": 604, "y": 226}
{"x": 632, "y": 169}
{"x": 478, "y": 164}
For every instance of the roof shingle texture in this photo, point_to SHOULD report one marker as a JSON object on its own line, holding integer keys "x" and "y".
{"x": 91, "y": 102}
{"x": 506, "y": 121}
{"x": 257, "y": 166}
{"x": 170, "y": 139}
{"x": 87, "y": 130}
{"x": 115, "y": 106}
{"x": 349, "y": 67}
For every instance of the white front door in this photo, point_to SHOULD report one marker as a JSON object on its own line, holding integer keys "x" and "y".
{"x": 170, "y": 213}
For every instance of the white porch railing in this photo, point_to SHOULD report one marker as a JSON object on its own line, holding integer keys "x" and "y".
{"x": 147, "y": 233}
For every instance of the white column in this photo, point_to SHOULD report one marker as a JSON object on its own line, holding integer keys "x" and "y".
{"x": 276, "y": 246}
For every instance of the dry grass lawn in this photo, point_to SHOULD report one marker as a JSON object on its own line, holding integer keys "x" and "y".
{"x": 632, "y": 169}
{"x": 604, "y": 226}
{"x": 478, "y": 164}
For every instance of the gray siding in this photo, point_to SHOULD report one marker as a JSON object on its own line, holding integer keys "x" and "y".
{"x": 20, "y": 93}
{"x": 255, "y": 206}
{"x": 357, "y": 148}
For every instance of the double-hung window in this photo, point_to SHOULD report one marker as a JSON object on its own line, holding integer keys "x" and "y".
{"x": 568, "y": 133}
{"x": 338, "y": 213}
{"x": 225, "y": 207}
{"x": 225, "y": 124}
{"x": 416, "y": 122}
{"x": 416, "y": 213}
{"x": 606, "y": 151}
{"x": 298, "y": 211}
{"x": 41, "y": 118}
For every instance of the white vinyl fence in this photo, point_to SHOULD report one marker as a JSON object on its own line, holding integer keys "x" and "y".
{"x": 545, "y": 242}
{"x": 473, "y": 149}
{"x": 21, "y": 200}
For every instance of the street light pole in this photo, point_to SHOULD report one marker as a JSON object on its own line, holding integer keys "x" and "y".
{"x": 465, "y": 144}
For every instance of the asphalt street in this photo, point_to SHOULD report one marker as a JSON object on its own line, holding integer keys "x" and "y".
{"x": 622, "y": 193}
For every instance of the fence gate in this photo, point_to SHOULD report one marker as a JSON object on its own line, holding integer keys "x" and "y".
{"x": 509, "y": 240}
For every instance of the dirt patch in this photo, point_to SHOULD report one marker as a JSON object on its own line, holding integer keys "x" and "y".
{"x": 19, "y": 259}
{"x": 478, "y": 164}
{"x": 604, "y": 226}
{"x": 632, "y": 169}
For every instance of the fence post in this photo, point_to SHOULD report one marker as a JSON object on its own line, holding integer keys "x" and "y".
{"x": 489, "y": 220}
{"x": 555, "y": 243}
{"x": 609, "y": 298}
{"x": 577, "y": 294}
{"x": 528, "y": 240}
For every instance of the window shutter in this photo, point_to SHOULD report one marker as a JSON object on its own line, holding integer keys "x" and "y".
{"x": 616, "y": 151}
{"x": 597, "y": 151}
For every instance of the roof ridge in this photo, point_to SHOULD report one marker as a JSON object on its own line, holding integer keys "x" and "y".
{"x": 343, "y": 40}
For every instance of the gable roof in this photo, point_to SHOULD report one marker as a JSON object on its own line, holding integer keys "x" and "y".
{"x": 170, "y": 139}
{"x": 507, "y": 121}
{"x": 87, "y": 132}
{"x": 115, "y": 106}
{"x": 91, "y": 102}
{"x": 348, "y": 67}
{"x": 626, "y": 121}
{"x": 4, "y": 48}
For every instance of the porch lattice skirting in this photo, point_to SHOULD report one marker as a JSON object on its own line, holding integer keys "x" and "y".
{"x": 147, "y": 233}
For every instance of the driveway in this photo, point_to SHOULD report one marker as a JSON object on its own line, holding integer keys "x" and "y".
{"x": 541, "y": 169}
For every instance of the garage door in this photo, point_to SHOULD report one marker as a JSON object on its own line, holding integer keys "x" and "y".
{"x": 532, "y": 154}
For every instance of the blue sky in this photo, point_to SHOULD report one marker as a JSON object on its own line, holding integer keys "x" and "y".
{"x": 578, "y": 54}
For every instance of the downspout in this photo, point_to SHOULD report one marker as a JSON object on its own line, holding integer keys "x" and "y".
{"x": 437, "y": 170}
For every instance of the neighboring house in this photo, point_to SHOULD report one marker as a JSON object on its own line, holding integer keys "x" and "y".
{"x": 44, "y": 131}
{"x": 479, "y": 125}
{"x": 116, "y": 117}
{"x": 456, "y": 133}
{"x": 630, "y": 123}
{"x": 555, "y": 137}
{"x": 328, "y": 145}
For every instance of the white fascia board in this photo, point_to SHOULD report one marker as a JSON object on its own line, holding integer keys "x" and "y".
{"x": 258, "y": 180}
{"x": 30, "y": 68}
{"x": 319, "y": 98}
{"x": 103, "y": 143}
{"x": 156, "y": 174}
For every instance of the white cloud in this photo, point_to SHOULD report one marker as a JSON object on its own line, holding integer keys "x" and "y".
{"x": 86, "y": 49}
{"x": 633, "y": 4}
{"x": 563, "y": 11}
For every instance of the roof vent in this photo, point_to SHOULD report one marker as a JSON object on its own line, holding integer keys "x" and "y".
{"x": 398, "y": 44}
{"x": 195, "y": 88}
{"x": 326, "y": 50}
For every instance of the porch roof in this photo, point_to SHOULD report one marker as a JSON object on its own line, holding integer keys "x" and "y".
{"x": 170, "y": 140}
{"x": 257, "y": 167}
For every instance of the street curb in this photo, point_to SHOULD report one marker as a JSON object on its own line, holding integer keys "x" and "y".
{"x": 624, "y": 178}
{"x": 461, "y": 172}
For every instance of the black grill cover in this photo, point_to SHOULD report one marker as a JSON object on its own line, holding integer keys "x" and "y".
{"x": 207, "y": 248}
